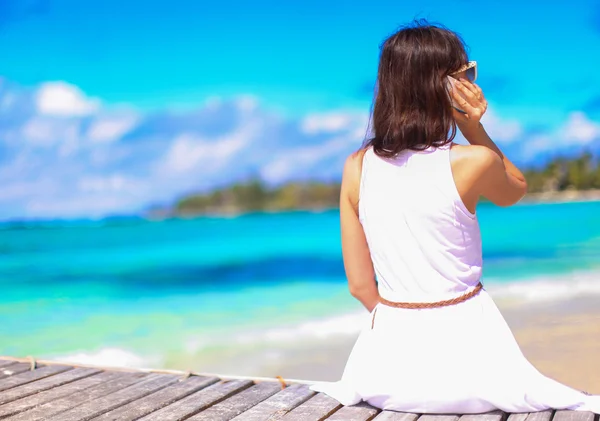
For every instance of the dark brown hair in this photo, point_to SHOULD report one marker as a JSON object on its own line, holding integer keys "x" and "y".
{"x": 411, "y": 108}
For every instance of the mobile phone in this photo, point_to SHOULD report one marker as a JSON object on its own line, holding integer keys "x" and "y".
{"x": 449, "y": 85}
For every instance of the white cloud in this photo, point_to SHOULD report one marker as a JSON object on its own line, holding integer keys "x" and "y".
{"x": 247, "y": 102}
{"x": 39, "y": 130}
{"x": 64, "y": 155}
{"x": 7, "y": 100}
{"x": 303, "y": 159}
{"x": 537, "y": 144}
{"x": 110, "y": 183}
{"x": 109, "y": 129}
{"x": 345, "y": 130}
{"x": 64, "y": 100}
{"x": 188, "y": 152}
{"x": 47, "y": 131}
{"x": 23, "y": 189}
{"x": 579, "y": 129}
{"x": 185, "y": 153}
{"x": 501, "y": 130}
{"x": 330, "y": 122}
{"x": 90, "y": 205}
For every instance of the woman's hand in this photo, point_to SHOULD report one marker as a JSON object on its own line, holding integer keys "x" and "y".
{"x": 469, "y": 98}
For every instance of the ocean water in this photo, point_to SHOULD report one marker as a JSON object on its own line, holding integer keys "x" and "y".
{"x": 200, "y": 293}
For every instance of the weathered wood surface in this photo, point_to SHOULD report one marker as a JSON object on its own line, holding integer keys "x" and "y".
{"x": 46, "y": 383}
{"x": 158, "y": 400}
{"x": 60, "y": 392}
{"x": 490, "y": 416}
{"x": 54, "y": 394}
{"x": 199, "y": 401}
{"x": 319, "y": 406}
{"x": 77, "y": 397}
{"x": 278, "y": 405}
{"x": 395, "y": 416}
{"x": 4, "y": 363}
{"x": 573, "y": 416}
{"x": 12, "y": 369}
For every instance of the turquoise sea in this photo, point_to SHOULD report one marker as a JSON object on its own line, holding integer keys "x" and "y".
{"x": 188, "y": 293}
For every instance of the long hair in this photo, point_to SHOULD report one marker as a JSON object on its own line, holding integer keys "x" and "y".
{"x": 411, "y": 108}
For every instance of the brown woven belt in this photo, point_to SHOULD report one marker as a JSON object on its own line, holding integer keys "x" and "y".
{"x": 435, "y": 304}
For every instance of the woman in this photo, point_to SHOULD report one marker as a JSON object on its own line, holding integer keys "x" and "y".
{"x": 435, "y": 341}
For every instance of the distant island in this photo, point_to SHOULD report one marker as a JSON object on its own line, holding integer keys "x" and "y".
{"x": 254, "y": 196}
{"x": 562, "y": 179}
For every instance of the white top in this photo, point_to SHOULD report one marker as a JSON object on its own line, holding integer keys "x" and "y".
{"x": 425, "y": 244}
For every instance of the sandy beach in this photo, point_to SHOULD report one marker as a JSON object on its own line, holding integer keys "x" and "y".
{"x": 592, "y": 195}
{"x": 562, "y": 339}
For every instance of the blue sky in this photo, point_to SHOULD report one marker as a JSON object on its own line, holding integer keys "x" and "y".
{"x": 101, "y": 94}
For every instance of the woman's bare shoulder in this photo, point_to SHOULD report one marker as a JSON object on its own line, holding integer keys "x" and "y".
{"x": 351, "y": 176}
{"x": 475, "y": 157}
{"x": 353, "y": 164}
{"x": 471, "y": 151}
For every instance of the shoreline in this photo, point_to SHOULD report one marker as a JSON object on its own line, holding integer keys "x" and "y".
{"x": 558, "y": 197}
{"x": 553, "y": 197}
{"x": 564, "y": 196}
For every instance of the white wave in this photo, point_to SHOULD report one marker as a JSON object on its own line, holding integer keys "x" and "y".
{"x": 541, "y": 289}
{"x": 346, "y": 324}
{"x": 315, "y": 329}
{"x": 109, "y": 357}
{"x": 548, "y": 288}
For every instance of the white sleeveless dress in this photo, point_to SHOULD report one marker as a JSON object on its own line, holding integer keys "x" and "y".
{"x": 426, "y": 246}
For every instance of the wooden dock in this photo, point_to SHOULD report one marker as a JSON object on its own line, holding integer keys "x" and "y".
{"x": 31, "y": 391}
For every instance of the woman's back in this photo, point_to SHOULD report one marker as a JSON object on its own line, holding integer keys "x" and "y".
{"x": 424, "y": 243}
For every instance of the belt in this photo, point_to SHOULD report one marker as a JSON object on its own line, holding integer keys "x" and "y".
{"x": 435, "y": 304}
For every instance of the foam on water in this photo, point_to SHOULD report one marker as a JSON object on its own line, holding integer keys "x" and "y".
{"x": 109, "y": 357}
{"x": 543, "y": 289}
{"x": 548, "y": 288}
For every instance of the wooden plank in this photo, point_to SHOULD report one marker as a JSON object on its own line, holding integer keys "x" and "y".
{"x": 541, "y": 416}
{"x": 4, "y": 363}
{"x": 488, "y": 416}
{"x": 45, "y": 383}
{"x": 55, "y": 393}
{"x": 238, "y": 403}
{"x": 520, "y": 416}
{"x": 91, "y": 409}
{"x": 32, "y": 375}
{"x": 278, "y": 405}
{"x": 564, "y": 415}
{"x": 196, "y": 402}
{"x": 362, "y": 411}
{"x": 430, "y": 417}
{"x": 396, "y": 416}
{"x": 45, "y": 411}
{"x": 317, "y": 407}
{"x": 13, "y": 369}
{"x": 158, "y": 400}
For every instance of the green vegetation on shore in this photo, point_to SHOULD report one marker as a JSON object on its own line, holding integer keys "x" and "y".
{"x": 559, "y": 175}
{"x": 255, "y": 196}
{"x": 582, "y": 173}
